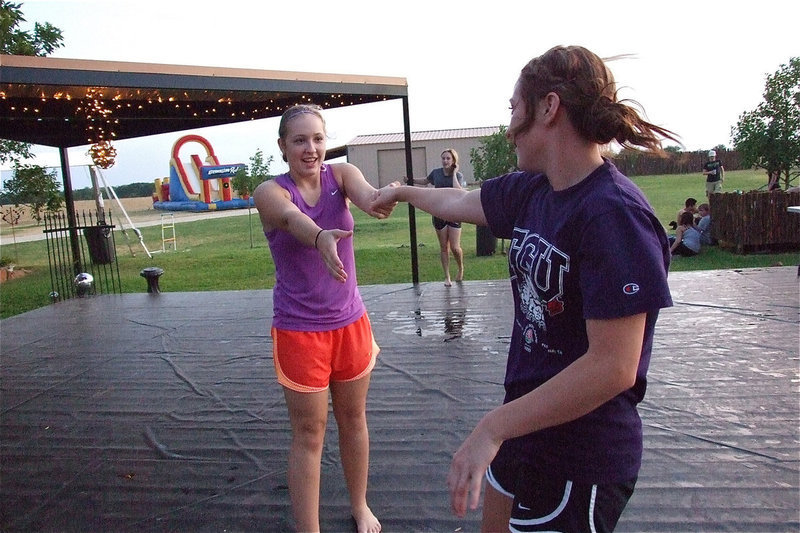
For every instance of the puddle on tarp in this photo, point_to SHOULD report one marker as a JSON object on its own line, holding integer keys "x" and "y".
{"x": 452, "y": 323}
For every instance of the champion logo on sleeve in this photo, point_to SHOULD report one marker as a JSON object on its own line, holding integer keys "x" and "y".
{"x": 630, "y": 289}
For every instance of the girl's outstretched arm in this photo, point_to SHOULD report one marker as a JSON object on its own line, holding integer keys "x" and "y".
{"x": 458, "y": 205}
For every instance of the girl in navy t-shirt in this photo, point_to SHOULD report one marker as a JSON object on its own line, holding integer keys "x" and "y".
{"x": 588, "y": 263}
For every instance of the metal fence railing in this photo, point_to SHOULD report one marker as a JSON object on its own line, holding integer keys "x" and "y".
{"x": 92, "y": 267}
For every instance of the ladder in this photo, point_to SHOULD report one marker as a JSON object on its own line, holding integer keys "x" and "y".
{"x": 167, "y": 228}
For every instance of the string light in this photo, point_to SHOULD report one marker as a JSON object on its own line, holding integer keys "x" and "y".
{"x": 96, "y": 107}
{"x": 105, "y": 110}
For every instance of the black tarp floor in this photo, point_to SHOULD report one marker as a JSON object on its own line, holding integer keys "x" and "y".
{"x": 161, "y": 412}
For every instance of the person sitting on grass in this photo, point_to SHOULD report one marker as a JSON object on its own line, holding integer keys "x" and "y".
{"x": 689, "y": 205}
{"x": 686, "y": 241}
{"x": 704, "y": 225}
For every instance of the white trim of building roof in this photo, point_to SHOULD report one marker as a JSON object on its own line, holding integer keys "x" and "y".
{"x": 431, "y": 135}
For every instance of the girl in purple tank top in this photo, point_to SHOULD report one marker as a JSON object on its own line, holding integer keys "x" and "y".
{"x": 322, "y": 340}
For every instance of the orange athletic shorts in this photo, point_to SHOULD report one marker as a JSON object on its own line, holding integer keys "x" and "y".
{"x": 306, "y": 361}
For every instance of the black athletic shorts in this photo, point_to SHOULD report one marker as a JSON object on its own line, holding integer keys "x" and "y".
{"x": 543, "y": 502}
{"x": 439, "y": 224}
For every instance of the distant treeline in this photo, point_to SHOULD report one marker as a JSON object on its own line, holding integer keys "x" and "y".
{"x": 637, "y": 163}
{"x": 629, "y": 161}
{"x": 131, "y": 190}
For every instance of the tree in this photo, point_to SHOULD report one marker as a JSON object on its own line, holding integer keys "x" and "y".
{"x": 44, "y": 39}
{"x": 494, "y": 157}
{"x": 11, "y": 215}
{"x": 33, "y": 185}
{"x": 247, "y": 179}
{"x": 768, "y": 137}
{"x": 14, "y": 151}
{"x": 131, "y": 190}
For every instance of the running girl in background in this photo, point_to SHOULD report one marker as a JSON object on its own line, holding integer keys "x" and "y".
{"x": 448, "y": 232}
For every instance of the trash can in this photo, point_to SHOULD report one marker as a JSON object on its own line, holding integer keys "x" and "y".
{"x": 486, "y": 241}
{"x": 101, "y": 244}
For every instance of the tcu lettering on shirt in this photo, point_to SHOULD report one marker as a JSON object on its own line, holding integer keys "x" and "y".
{"x": 538, "y": 268}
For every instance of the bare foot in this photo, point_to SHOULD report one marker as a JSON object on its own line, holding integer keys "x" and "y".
{"x": 366, "y": 522}
{"x": 447, "y": 283}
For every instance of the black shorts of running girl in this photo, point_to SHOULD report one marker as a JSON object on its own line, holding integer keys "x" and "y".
{"x": 439, "y": 224}
{"x": 543, "y": 502}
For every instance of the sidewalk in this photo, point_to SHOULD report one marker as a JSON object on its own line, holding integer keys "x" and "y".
{"x": 140, "y": 220}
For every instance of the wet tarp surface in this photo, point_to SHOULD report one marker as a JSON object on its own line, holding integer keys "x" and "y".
{"x": 161, "y": 412}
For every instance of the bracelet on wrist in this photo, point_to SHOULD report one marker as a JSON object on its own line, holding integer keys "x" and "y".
{"x": 317, "y": 238}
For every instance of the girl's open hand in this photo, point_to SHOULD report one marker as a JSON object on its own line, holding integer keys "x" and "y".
{"x": 326, "y": 244}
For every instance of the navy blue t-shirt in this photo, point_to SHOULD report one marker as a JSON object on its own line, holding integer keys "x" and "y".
{"x": 592, "y": 251}
{"x": 439, "y": 179}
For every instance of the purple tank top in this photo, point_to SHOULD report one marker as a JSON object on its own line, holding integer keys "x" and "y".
{"x": 305, "y": 296}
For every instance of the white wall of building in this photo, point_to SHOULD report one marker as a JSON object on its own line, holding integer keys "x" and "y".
{"x": 385, "y": 162}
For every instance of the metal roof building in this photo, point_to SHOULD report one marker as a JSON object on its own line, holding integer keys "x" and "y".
{"x": 381, "y": 156}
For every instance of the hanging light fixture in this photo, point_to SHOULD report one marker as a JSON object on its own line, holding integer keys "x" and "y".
{"x": 103, "y": 154}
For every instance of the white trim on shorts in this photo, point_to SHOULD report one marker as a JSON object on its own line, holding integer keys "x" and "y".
{"x": 496, "y": 484}
{"x": 544, "y": 519}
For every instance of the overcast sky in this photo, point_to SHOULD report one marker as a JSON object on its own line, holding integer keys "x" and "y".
{"x": 697, "y": 64}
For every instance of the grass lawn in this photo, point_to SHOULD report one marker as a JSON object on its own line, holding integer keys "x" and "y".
{"x": 217, "y": 254}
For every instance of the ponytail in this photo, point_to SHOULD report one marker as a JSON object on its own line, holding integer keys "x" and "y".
{"x": 587, "y": 91}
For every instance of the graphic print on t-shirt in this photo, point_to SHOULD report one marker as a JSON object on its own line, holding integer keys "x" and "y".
{"x": 538, "y": 268}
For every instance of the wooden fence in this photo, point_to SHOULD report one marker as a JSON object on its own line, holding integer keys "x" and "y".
{"x": 639, "y": 163}
{"x": 756, "y": 221}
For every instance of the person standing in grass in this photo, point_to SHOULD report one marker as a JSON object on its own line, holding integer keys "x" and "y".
{"x": 322, "y": 338}
{"x": 714, "y": 173}
{"x": 588, "y": 261}
{"x": 448, "y": 233}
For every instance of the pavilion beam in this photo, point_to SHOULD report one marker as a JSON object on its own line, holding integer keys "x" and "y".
{"x": 72, "y": 220}
{"x": 412, "y": 219}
